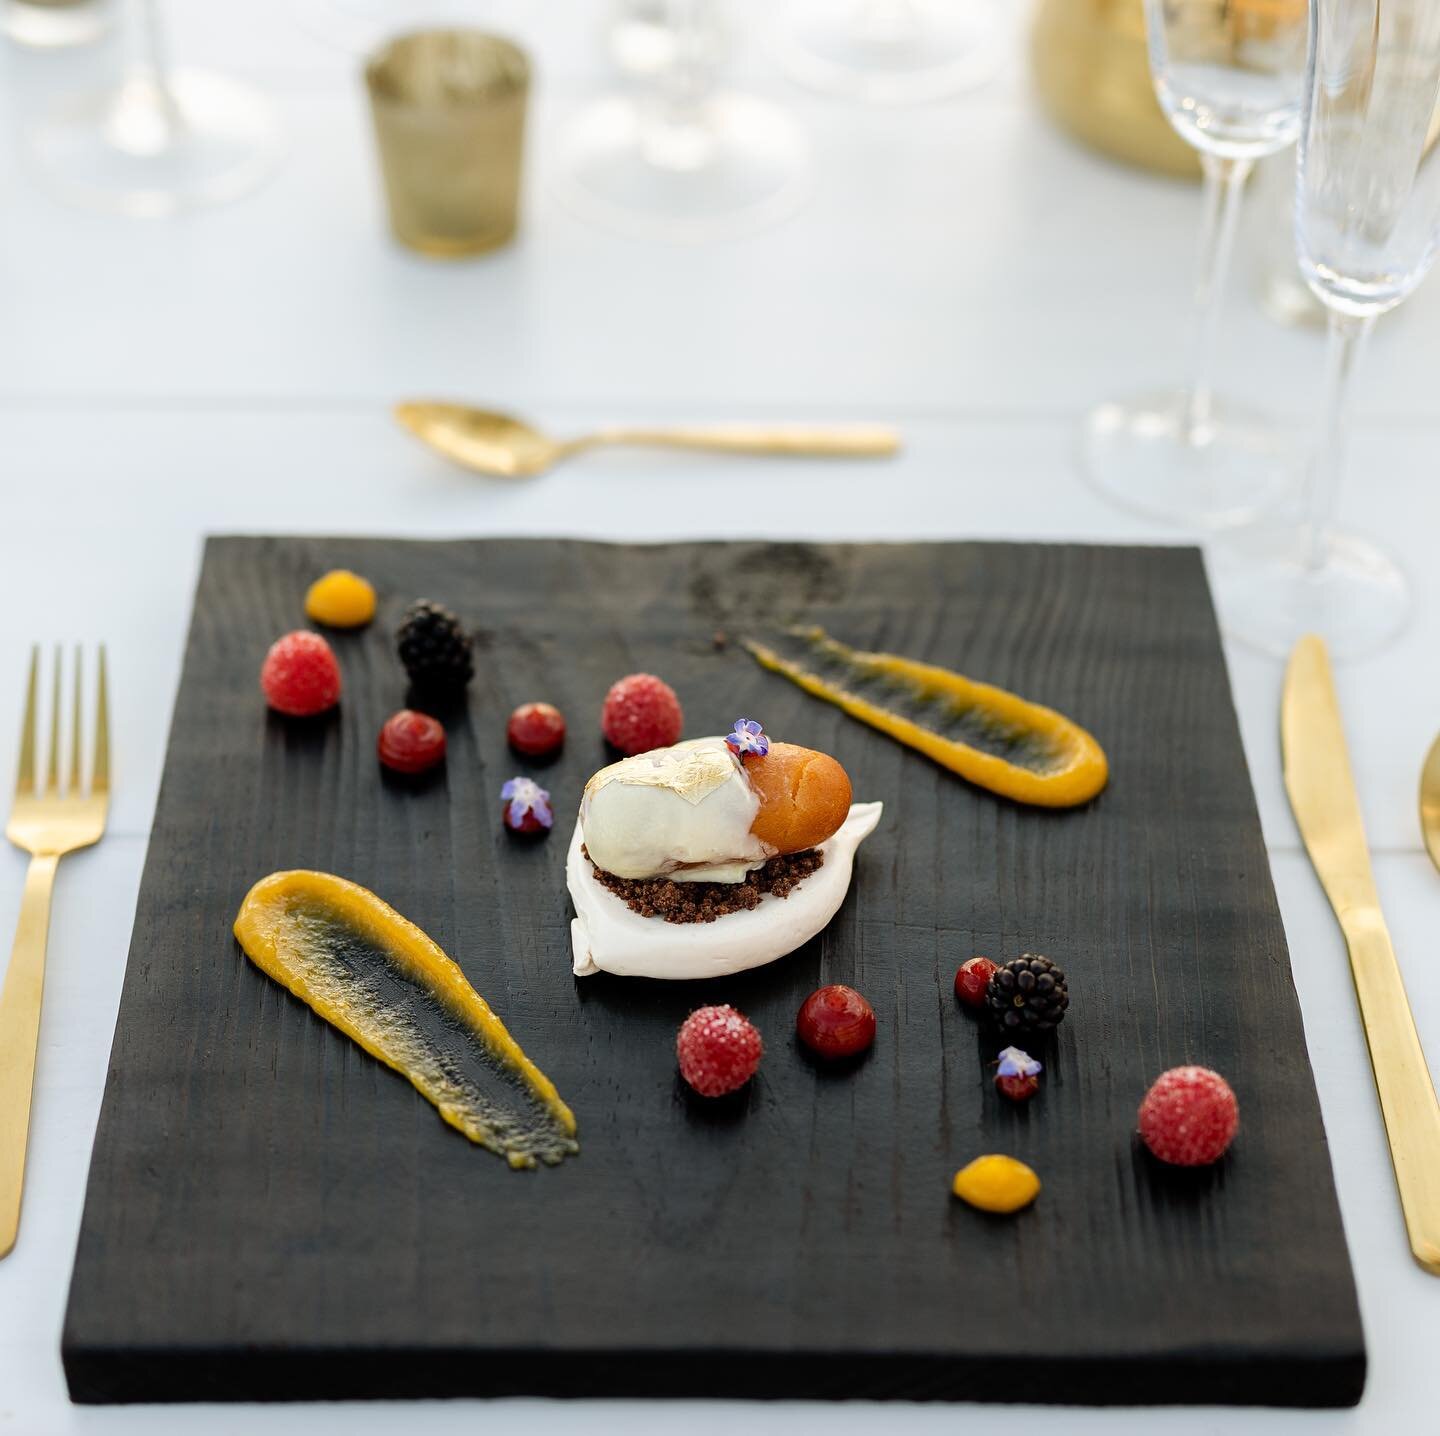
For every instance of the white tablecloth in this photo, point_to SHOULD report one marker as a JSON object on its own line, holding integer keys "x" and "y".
{"x": 960, "y": 269}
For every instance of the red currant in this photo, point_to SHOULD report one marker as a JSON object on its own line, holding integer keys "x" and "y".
{"x": 536, "y": 729}
{"x": 411, "y": 742}
{"x": 972, "y": 979}
{"x": 836, "y": 1021}
{"x": 1018, "y": 1089}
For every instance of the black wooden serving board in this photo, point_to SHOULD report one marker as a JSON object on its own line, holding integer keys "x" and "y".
{"x": 273, "y": 1214}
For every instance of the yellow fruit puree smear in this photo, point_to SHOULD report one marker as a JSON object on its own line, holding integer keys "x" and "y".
{"x": 989, "y": 736}
{"x": 368, "y": 971}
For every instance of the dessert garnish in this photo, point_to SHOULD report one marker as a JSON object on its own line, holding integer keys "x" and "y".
{"x": 411, "y": 742}
{"x": 753, "y": 856}
{"x": 641, "y": 712}
{"x": 1189, "y": 1117}
{"x": 366, "y": 970}
{"x": 434, "y": 647}
{"x": 835, "y": 1022}
{"x": 996, "y": 1184}
{"x": 972, "y": 977}
{"x": 718, "y": 1050}
{"x": 340, "y": 599}
{"x": 300, "y": 676}
{"x": 747, "y": 739}
{"x": 536, "y": 730}
{"x": 1028, "y": 994}
{"x": 988, "y": 736}
{"x": 1017, "y": 1075}
{"x": 525, "y": 806}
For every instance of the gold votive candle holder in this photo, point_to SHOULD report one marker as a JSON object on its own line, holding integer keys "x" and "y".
{"x": 449, "y": 109}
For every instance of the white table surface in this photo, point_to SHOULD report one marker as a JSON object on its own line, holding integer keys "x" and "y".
{"x": 960, "y": 269}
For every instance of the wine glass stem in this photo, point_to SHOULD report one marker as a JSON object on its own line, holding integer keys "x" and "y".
{"x": 1224, "y": 185}
{"x": 676, "y": 130}
{"x": 1347, "y": 337}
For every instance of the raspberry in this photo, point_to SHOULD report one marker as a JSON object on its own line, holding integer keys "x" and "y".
{"x": 1189, "y": 1117}
{"x": 836, "y": 1021}
{"x": 300, "y": 675}
{"x": 641, "y": 712}
{"x": 536, "y": 729}
{"x": 971, "y": 979}
{"x": 718, "y": 1049}
{"x": 411, "y": 742}
{"x": 340, "y": 599}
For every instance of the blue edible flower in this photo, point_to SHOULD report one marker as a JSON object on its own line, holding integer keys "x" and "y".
{"x": 1015, "y": 1063}
{"x": 747, "y": 740}
{"x": 526, "y": 797}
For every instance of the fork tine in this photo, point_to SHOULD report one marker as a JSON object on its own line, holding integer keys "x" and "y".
{"x": 52, "y": 769}
{"x": 100, "y": 777}
{"x": 76, "y": 775}
{"x": 25, "y": 774}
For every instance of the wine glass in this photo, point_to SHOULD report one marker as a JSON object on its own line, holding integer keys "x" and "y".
{"x": 160, "y": 142}
{"x": 1367, "y": 222}
{"x": 679, "y": 157}
{"x": 890, "y": 51}
{"x": 1229, "y": 76}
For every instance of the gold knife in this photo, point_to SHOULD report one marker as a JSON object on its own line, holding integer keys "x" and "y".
{"x": 1322, "y": 795}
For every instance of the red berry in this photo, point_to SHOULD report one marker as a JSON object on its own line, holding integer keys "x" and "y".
{"x": 525, "y": 806}
{"x": 536, "y": 730}
{"x": 719, "y": 1050}
{"x": 300, "y": 675}
{"x": 411, "y": 742}
{"x": 836, "y": 1021}
{"x": 1189, "y": 1117}
{"x": 971, "y": 980}
{"x": 641, "y": 712}
{"x": 1018, "y": 1089}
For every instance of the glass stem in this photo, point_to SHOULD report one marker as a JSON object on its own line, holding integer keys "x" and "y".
{"x": 1348, "y": 334}
{"x": 1224, "y": 185}
{"x": 676, "y": 132}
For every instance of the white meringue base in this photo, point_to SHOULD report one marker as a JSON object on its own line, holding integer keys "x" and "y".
{"x": 608, "y": 937}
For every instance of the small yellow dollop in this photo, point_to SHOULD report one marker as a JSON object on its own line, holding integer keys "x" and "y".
{"x": 996, "y": 1184}
{"x": 340, "y": 599}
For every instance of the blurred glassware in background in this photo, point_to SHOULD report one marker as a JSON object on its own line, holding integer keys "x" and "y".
{"x": 159, "y": 142}
{"x": 1229, "y": 78}
{"x": 639, "y": 38}
{"x": 1367, "y": 222}
{"x": 1284, "y": 295}
{"x": 54, "y": 24}
{"x": 890, "y": 51}
{"x": 681, "y": 158}
{"x": 1092, "y": 71}
{"x": 361, "y": 26}
{"x": 449, "y": 109}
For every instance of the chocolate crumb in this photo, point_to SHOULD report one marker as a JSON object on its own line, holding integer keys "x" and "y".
{"x": 704, "y": 902}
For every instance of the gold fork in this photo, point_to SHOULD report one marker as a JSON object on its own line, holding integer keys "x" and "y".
{"x": 46, "y": 824}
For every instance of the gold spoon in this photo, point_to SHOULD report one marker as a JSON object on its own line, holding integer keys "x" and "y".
{"x": 508, "y": 448}
{"x": 1430, "y": 802}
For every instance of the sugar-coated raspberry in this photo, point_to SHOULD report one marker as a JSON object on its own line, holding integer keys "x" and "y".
{"x": 836, "y": 1021}
{"x": 641, "y": 712}
{"x": 718, "y": 1049}
{"x": 536, "y": 729}
{"x": 1189, "y": 1117}
{"x": 411, "y": 742}
{"x": 971, "y": 980}
{"x": 300, "y": 675}
{"x": 340, "y": 599}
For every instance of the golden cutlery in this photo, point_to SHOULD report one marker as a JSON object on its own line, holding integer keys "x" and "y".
{"x": 1322, "y": 795}
{"x": 47, "y": 824}
{"x": 1430, "y": 802}
{"x": 508, "y": 448}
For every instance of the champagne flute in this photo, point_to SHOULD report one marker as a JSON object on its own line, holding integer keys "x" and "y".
{"x": 891, "y": 51}
{"x": 681, "y": 157}
{"x": 161, "y": 141}
{"x": 1229, "y": 77}
{"x": 1367, "y": 223}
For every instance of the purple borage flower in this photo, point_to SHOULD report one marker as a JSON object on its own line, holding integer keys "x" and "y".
{"x": 526, "y": 796}
{"x": 1015, "y": 1063}
{"x": 747, "y": 740}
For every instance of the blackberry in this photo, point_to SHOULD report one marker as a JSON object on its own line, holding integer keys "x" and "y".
{"x": 1028, "y": 994}
{"x": 434, "y": 648}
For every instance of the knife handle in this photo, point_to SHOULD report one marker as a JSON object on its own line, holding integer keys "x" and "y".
{"x": 1407, "y": 1095}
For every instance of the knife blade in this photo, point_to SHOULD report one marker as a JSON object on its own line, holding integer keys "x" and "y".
{"x": 1322, "y": 795}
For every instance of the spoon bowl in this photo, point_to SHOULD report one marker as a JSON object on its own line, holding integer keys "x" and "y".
{"x": 1430, "y": 802}
{"x": 481, "y": 439}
